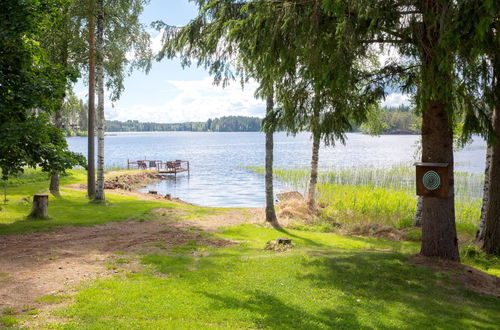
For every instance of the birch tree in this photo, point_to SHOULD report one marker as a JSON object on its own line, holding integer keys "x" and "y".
{"x": 122, "y": 45}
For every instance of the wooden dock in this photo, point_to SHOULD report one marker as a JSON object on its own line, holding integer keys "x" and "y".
{"x": 162, "y": 167}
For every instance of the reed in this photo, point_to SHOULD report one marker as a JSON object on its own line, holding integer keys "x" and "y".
{"x": 378, "y": 195}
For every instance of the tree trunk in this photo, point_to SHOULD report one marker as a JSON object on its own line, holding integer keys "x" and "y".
{"x": 91, "y": 110}
{"x": 418, "y": 214}
{"x": 486, "y": 193}
{"x": 99, "y": 196}
{"x": 58, "y": 120}
{"x": 491, "y": 243}
{"x": 270, "y": 212}
{"x": 316, "y": 134}
{"x": 439, "y": 236}
{"x": 54, "y": 178}
{"x": 40, "y": 207}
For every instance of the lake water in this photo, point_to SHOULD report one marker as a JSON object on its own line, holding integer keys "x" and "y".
{"x": 217, "y": 160}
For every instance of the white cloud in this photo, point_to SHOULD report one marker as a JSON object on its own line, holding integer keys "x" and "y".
{"x": 396, "y": 99}
{"x": 195, "y": 100}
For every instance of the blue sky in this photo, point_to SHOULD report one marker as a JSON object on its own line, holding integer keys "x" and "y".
{"x": 170, "y": 93}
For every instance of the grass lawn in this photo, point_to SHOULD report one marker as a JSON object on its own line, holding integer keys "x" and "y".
{"x": 325, "y": 281}
{"x": 71, "y": 208}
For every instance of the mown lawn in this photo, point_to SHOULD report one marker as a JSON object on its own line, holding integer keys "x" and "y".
{"x": 71, "y": 208}
{"x": 326, "y": 281}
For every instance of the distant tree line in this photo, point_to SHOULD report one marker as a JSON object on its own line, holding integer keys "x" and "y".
{"x": 391, "y": 120}
{"x": 223, "y": 124}
{"x": 75, "y": 117}
{"x": 386, "y": 120}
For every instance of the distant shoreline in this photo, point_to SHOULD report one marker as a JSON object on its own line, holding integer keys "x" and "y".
{"x": 115, "y": 133}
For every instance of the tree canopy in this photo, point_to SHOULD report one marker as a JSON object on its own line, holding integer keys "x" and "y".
{"x": 30, "y": 87}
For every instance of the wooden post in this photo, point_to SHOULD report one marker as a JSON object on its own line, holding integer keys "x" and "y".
{"x": 40, "y": 207}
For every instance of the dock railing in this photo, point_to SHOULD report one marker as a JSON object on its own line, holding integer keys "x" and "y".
{"x": 163, "y": 167}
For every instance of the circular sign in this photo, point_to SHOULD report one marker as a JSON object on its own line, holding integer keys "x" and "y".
{"x": 431, "y": 180}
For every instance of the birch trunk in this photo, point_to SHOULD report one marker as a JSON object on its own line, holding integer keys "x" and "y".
{"x": 491, "y": 239}
{"x": 316, "y": 134}
{"x": 418, "y": 214}
{"x": 99, "y": 196}
{"x": 486, "y": 193}
{"x": 270, "y": 212}
{"x": 91, "y": 110}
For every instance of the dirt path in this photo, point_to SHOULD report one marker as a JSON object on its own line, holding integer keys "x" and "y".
{"x": 38, "y": 264}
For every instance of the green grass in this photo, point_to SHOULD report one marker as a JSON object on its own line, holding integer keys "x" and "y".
{"x": 52, "y": 299}
{"x": 326, "y": 281}
{"x": 386, "y": 196}
{"x": 71, "y": 208}
{"x": 8, "y": 321}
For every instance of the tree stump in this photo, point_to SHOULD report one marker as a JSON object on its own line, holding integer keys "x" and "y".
{"x": 284, "y": 241}
{"x": 40, "y": 207}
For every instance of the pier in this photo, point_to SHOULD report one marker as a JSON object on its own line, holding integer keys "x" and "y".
{"x": 162, "y": 167}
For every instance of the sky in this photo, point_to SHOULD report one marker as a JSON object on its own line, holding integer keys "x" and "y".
{"x": 171, "y": 94}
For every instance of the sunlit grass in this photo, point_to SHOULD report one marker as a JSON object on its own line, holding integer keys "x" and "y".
{"x": 71, "y": 208}
{"x": 387, "y": 196}
{"x": 325, "y": 282}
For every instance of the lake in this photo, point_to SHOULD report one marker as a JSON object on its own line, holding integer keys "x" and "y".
{"x": 217, "y": 160}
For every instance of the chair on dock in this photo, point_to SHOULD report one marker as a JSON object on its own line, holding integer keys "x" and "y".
{"x": 152, "y": 164}
{"x": 141, "y": 165}
{"x": 174, "y": 167}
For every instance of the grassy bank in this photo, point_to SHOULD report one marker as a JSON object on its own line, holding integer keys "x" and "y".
{"x": 71, "y": 208}
{"x": 325, "y": 281}
{"x": 385, "y": 196}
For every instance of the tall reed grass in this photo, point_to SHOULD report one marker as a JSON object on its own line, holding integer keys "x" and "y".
{"x": 378, "y": 195}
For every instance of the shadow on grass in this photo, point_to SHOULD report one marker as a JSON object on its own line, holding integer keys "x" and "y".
{"x": 381, "y": 278}
{"x": 271, "y": 312}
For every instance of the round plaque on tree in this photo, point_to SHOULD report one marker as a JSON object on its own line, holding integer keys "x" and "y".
{"x": 431, "y": 180}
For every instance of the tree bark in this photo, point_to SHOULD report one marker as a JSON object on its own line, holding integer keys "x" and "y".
{"x": 91, "y": 110}
{"x": 491, "y": 243}
{"x": 439, "y": 236}
{"x": 40, "y": 207}
{"x": 486, "y": 193}
{"x": 418, "y": 214}
{"x": 270, "y": 212}
{"x": 58, "y": 120}
{"x": 99, "y": 196}
{"x": 313, "y": 180}
{"x": 54, "y": 178}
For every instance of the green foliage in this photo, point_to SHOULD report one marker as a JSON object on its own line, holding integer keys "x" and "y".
{"x": 30, "y": 87}
{"x": 323, "y": 91}
{"x": 390, "y": 121}
{"x": 126, "y": 42}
